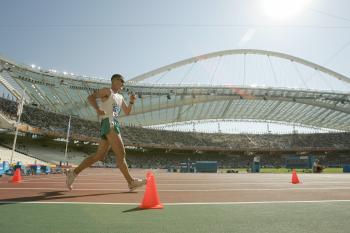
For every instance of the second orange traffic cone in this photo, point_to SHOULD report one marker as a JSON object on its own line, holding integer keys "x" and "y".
{"x": 17, "y": 177}
{"x": 295, "y": 179}
{"x": 151, "y": 198}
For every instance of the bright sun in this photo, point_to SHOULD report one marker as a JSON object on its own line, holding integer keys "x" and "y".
{"x": 283, "y": 9}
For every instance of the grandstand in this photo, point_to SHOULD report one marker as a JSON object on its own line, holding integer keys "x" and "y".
{"x": 43, "y": 150}
{"x": 5, "y": 155}
{"x": 165, "y": 148}
{"x": 55, "y": 124}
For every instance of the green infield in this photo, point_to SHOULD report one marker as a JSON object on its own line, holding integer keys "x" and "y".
{"x": 301, "y": 217}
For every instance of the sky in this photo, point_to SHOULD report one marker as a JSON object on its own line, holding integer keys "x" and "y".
{"x": 101, "y": 37}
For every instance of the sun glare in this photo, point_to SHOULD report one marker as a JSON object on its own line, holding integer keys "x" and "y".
{"x": 283, "y": 9}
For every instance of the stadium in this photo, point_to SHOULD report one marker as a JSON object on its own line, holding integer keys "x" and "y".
{"x": 50, "y": 100}
{"x": 261, "y": 137}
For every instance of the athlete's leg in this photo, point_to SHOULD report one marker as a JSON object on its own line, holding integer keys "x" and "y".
{"x": 117, "y": 146}
{"x": 102, "y": 151}
{"x": 100, "y": 154}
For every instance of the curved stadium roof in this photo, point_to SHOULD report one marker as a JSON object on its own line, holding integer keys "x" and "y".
{"x": 264, "y": 89}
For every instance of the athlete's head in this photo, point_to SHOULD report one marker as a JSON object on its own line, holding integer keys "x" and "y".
{"x": 117, "y": 81}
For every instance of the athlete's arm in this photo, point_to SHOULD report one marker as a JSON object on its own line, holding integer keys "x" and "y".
{"x": 102, "y": 94}
{"x": 127, "y": 108}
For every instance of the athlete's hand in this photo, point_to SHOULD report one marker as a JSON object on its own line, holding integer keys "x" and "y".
{"x": 100, "y": 112}
{"x": 132, "y": 97}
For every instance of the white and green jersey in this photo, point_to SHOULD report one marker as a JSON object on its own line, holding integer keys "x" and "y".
{"x": 112, "y": 107}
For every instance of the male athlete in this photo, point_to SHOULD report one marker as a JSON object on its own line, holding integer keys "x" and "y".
{"x": 110, "y": 107}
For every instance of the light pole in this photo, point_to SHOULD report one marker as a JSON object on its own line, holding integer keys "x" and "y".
{"x": 67, "y": 139}
{"x": 19, "y": 114}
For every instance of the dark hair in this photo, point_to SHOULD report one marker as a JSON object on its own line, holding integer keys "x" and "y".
{"x": 118, "y": 76}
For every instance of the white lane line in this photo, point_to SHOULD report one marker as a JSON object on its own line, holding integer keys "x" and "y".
{"x": 78, "y": 181}
{"x": 204, "y": 181}
{"x": 176, "y": 204}
{"x": 188, "y": 190}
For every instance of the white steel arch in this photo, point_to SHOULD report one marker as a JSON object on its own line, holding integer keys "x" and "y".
{"x": 240, "y": 51}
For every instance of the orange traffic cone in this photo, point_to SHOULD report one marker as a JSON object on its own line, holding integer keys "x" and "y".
{"x": 151, "y": 198}
{"x": 295, "y": 179}
{"x": 17, "y": 177}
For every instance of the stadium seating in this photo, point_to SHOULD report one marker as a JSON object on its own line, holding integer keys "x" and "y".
{"x": 51, "y": 123}
{"x": 5, "y": 155}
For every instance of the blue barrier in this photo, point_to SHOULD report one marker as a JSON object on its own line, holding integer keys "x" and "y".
{"x": 45, "y": 169}
{"x": 6, "y": 166}
{"x": 183, "y": 168}
{"x": 20, "y": 166}
{"x": 207, "y": 166}
{"x": 36, "y": 169}
{"x": 1, "y": 169}
{"x": 300, "y": 162}
{"x": 256, "y": 167}
{"x": 346, "y": 168}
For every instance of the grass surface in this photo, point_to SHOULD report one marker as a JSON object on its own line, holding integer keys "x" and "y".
{"x": 64, "y": 218}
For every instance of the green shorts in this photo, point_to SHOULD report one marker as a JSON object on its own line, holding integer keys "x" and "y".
{"x": 105, "y": 127}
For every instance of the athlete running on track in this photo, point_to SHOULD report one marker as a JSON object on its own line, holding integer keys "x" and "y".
{"x": 110, "y": 107}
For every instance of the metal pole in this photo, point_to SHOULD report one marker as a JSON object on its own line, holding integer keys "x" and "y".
{"x": 65, "y": 153}
{"x": 14, "y": 141}
{"x": 19, "y": 113}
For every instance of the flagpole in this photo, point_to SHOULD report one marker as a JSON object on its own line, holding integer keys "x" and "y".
{"x": 65, "y": 153}
{"x": 19, "y": 114}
